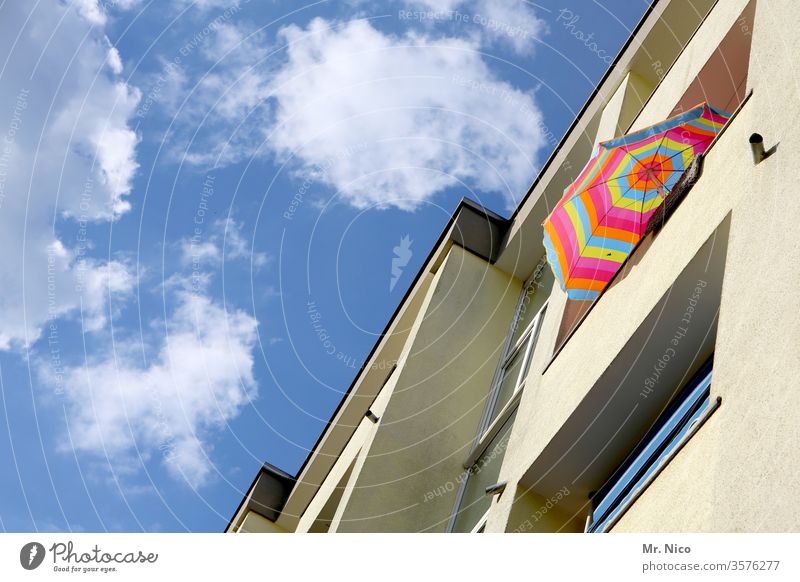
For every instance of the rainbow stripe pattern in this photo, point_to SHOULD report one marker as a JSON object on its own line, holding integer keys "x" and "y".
{"x": 605, "y": 212}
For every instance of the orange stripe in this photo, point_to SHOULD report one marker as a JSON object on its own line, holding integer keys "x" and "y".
{"x": 554, "y": 238}
{"x": 588, "y": 203}
{"x": 591, "y": 284}
{"x": 617, "y": 233}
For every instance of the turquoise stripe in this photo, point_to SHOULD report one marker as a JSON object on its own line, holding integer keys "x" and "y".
{"x": 689, "y": 116}
{"x": 614, "y": 244}
{"x": 552, "y": 258}
{"x": 656, "y": 129}
{"x": 580, "y": 207}
{"x": 582, "y": 294}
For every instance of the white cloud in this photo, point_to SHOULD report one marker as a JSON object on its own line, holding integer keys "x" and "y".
{"x": 67, "y": 162}
{"x": 93, "y": 124}
{"x": 227, "y": 108}
{"x": 199, "y": 378}
{"x": 494, "y": 23}
{"x": 95, "y": 12}
{"x": 439, "y": 5}
{"x": 224, "y": 240}
{"x": 511, "y": 22}
{"x": 236, "y": 245}
{"x": 99, "y": 281}
{"x": 198, "y": 252}
{"x": 66, "y": 150}
{"x": 415, "y": 116}
{"x": 91, "y": 11}
{"x": 114, "y": 60}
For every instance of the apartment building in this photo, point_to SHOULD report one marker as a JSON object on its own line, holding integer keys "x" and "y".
{"x": 495, "y": 401}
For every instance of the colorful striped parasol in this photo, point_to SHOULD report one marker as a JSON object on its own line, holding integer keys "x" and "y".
{"x": 605, "y": 212}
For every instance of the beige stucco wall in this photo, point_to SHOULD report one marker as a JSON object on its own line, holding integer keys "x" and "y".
{"x": 354, "y": 455}
{"x": 378, "y": 408}
{"x": 623, "y": 106}
{"x": 430, "y": 421}
{"x": 350, "y": 462}
{"x": 739, "y": 473}
{"x": 255, "y": 523}
{"x": 690, "y": 62}
{"x": 337, "y": 473}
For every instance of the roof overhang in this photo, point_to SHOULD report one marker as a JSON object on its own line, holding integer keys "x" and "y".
{"x": 266, "y": 496}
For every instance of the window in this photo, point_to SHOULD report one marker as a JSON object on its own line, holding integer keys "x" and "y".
{"x": 472, "y": 504}
{"x": 680, "y": 420}
{"x": 481, "y": 527}
{"x": 515, "y": 367}
{"x": 513, "y": 370}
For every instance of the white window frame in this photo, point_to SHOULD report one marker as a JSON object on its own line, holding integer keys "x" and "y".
{"x": 481, "y": 522}
{"x": 527, "y": 341}
{"x": 467, "y": 475}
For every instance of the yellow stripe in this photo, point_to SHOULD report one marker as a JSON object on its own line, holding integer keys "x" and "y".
{"x": 654, "y": 203}
{"x": 577, "y": 224}
{"x": 596, "y": 169}
{"x": 607, "y": 254}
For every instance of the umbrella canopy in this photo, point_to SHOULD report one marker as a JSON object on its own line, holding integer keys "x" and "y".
{"x": 605, "y": 212}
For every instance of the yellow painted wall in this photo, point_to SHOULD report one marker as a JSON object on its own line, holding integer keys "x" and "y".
{"x": 255, "y": 523}
{"x": 623, "y": 106}
{"x": 431, "y": 419}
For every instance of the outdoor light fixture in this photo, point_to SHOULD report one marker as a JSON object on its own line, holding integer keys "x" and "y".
{"x": 757, "y": 147}
{"x": 371, "y": 415}
{"x": 496, "y": 489}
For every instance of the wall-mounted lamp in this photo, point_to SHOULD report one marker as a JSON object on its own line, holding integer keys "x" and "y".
{"x": 757, "y": 147}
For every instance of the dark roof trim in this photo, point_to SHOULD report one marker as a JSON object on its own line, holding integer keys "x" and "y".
{"x": 477, "y": 229}
{"x": 267, "y": 494}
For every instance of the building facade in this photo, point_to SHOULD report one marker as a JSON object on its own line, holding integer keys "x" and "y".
{"x": 494, "y": 403}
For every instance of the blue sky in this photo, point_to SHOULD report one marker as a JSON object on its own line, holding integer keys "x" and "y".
{"x": 200, "y": 204}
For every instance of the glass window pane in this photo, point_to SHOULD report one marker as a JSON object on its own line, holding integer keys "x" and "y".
{"x": 516, "y": 370}
{"x": 654, "y": 464}
{"x": 508, "y": 382}
{"x": 484, "y": 473}
{"x": 656, "y": 446}
{"x": 535, "y": 296}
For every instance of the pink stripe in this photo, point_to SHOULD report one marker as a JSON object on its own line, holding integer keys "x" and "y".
{"x": 566, "y": 234}
{"x": 628, "y": 222}
{"x": 596, "y": 271}
{"x": 601, "y": 200}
